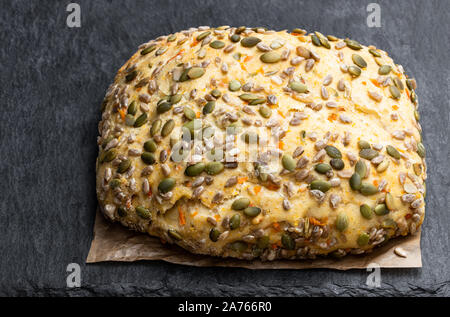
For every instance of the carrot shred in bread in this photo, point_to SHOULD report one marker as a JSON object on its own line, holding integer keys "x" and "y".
{"x": 181, "y": 218}
{"x": 316, "y": 222}
{"x": 242, "y": 180}
{"x": 122, "y": 113}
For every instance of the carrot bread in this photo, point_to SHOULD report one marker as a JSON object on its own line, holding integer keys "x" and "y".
{"x": 250, "y": 143}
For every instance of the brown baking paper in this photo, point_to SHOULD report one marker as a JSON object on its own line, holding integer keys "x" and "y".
{"x": 113, "y": 242}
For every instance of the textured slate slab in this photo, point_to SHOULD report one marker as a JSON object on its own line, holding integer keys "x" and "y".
{"x": 53, "y": 79}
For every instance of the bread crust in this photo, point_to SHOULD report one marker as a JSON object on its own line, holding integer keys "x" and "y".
{"x": 325, "y": 108}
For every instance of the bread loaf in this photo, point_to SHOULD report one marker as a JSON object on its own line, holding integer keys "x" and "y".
{"x": 250, "y": 143}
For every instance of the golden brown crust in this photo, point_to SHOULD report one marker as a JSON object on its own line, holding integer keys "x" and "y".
{"x": 338, "y": 121}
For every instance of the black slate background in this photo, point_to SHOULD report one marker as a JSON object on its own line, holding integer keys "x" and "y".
{"x": 53, "y": 79}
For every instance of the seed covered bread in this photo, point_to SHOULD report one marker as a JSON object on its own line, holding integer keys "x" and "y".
{"x": 249, "y": 143}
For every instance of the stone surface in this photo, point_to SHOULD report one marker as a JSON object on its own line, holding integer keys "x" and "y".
{"x": 53, "y": 79}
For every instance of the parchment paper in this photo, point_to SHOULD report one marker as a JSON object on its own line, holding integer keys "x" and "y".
{"x": 113, "y": 242}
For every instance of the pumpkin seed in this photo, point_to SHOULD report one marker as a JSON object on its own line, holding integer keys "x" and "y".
{"x": 333, "y": 152}
{"x": 362, "y": 144}
{"x": 337, "y": 164}
{"x": 384, "y": 69}
{"x": 160, "y": 51}
{"x": 167, "y": 128}
{"x": 195, "y": 169}
{"x": 124, "y": 166}
{"x": 121, "y": 211}
{"x": 107, "y": 140}
{"x": 249, "y": 97}
{"x": 374, "y": 53}
{"x": 315, "y": 40}
{"x": 132, "y": 108}
{"x": 355, "y": 181}
{"x": 234, "y": 85}
{"x": 390, "y": 202}
{"x": 250, "y": 41}
{"x": 252, "y": 211}
{"x": 172, "y": 38}
{"x": 411, "y": 84}
{"x": 156, "y": 126}
{"x": 323, "y": 41}
{"x": 413, "y": 97}
{"x": 416, "y": 115}
{"x": 240, "y": 203}
{"x": 383, "y": 166}
{"x": 237, "y": 56}
{"x": 235, "y": 221}
{"x": 354, "y": 45}
{"x": 214, "y": 234}
{"x": 363, "y": 239}
{"x": 114, "y": 183}
{"x": 150, "y": 146}
{"x": 216, "y": 93}
{"x": 421, "y": 150}
{"x": 148, "y": 49}
{"x": 298, "y": 87}
{"x": 265, "y": 111}
{"x": 166, "y": 185}
{"x": 341, "y": 222}
{"x": 217, "y": 44}
{"x": 257, "y": 101}
{"x": 398, "y": 83}
{"x": 201, "y": 36}
{"x": 359, "y": 61}
{"x": 174, "y": 99}
{"x": 321, "y": 185}
{"x": 395, "y": 93}
{"x": 239, "y": 246}
{"x": 368, "y": 189}
{"x": 163, "y": 107}
{"x": 209, "y": 107}
{"x": 287, "y": 241}
{"x": 109, "y": 155}
{"x": 235, "y": 38}
{"x": 140, "y": 120}
{"x": 381, "y": 210}
{"x": 361, "y": 168}
{"x": 148, "y": 158}
{"x": 389, "y": 224}
{"x": 270, "y": 57}
{"x": 332, "y": 38}
{"x": 250, "y": 137}
{"x": 131, "y": 76}
{"x": 354, "y": 71}
{"x": 189, "y": 113}
{"x": 288, "y": 162}
{"x": 366, "y": 211}
{"x": 263, "y": 242}
{"x": 143, "y": 212}
{"x": 379, "y": 61}
{"x": 129, "y": 120}
{"x": 322, "y": 168}
{"x": 195, "y": 72}
{"x": 190, "y": 126}
{"x": 214, "y": 168}
{"x": 184, "y": 77}
{"x": 392, "y": 151}
{"x": 368, "y": 154}
{"x": 174, "y": 234}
